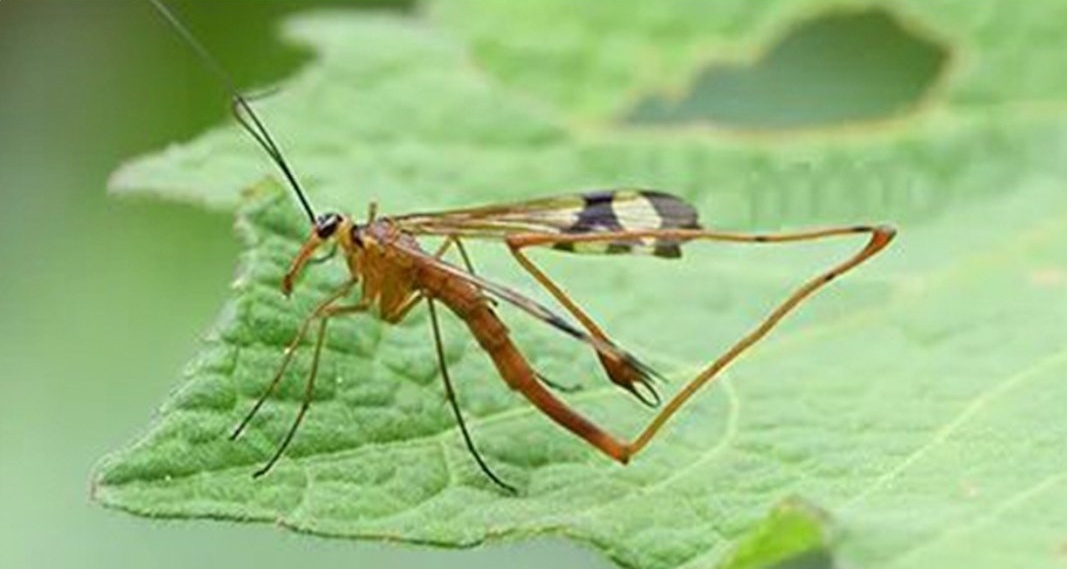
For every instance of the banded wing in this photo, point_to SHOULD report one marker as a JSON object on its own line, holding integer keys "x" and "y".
{"x": 598, "y": 211}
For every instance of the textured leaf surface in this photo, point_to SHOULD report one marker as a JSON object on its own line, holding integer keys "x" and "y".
{"x": 918, "y": 401}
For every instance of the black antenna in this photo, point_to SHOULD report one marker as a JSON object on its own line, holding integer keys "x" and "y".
{"x": 242, "y": 111}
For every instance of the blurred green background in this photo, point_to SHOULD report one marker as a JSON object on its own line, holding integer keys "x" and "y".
{"x": 104, "y": 299}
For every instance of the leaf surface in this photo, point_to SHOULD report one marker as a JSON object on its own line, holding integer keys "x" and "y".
{"x": 917, "y": 401}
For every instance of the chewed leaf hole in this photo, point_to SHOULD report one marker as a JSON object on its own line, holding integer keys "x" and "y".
{"x": 838, "y": 68}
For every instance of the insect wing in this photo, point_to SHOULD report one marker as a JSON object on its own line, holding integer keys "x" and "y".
{"x": 593, "y": 212}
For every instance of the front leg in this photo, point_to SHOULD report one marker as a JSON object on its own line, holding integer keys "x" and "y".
{"x": 324, "y": 314}
{"x": 290, "y": 351}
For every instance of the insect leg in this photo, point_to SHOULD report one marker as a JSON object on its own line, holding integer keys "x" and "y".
{"x": 879, "y": 238}
{"x": 309, "y": 387}
{"x": 447, "y": 244}
{"x": 290, "y": 351}
{"x": 444, "y": 247}
{"x": 559, "y": 386}
{"x": 619, "y": 372}
{"x": 324, "y": 311}
{"x": 535, "y": 309}
{"x": 463, "y": 253}
{"x": 450, "y": 393}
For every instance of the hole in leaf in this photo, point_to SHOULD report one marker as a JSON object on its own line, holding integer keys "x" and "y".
{"x": 837, "y": 68}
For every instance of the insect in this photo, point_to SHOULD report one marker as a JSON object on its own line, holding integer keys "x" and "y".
{"x": 394, "y": 274}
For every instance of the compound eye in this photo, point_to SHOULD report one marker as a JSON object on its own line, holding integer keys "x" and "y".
{"x": 326, "y": 225}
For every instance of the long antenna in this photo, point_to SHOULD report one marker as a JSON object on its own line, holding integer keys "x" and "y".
{"x": 242, "y": 111}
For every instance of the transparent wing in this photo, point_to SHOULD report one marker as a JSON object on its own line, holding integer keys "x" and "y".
{"x": 612, "y": 210}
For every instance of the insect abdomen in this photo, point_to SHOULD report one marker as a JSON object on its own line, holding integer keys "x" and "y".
{"x": 492, "y": 335}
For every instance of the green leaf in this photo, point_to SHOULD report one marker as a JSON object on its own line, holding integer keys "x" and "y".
{"x": 794, "y": 535}
{"x": 917, "y": 400}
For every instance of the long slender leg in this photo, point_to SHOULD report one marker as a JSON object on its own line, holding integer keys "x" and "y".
{"x": 558, "y": 386}
{"x": 324, "y": 311}
{"x": 309, "y": 387}
{"x": 290, "y": 351}
{"x": 444, "y": 247}
{"x": 450, "y": 393}
{"x": 447, "y": 244}
{"x": 463, "y": 253}
{"x": 880, "y": 236}
{"x": 619, "y": 372}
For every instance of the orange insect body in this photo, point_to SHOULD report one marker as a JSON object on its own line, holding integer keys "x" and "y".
{"x": 395, "y": 275}
{"x": 380, "y": 256}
